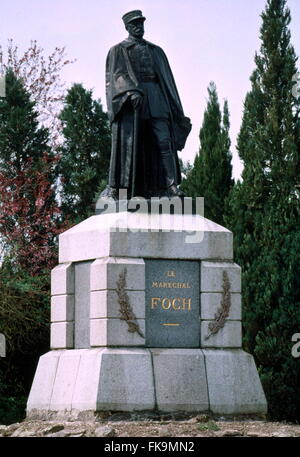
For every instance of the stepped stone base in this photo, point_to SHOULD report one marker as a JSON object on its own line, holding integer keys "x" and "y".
{"x": 135, "y": 321}
{"x": 192, "y": 380}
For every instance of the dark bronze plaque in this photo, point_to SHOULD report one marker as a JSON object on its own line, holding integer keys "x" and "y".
{"x": 172, "y": 303}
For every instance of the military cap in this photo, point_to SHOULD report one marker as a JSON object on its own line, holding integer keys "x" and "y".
{"x": 132, "y": 15}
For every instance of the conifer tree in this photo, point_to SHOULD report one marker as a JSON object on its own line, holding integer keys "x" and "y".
{"x": 210, "y": 177}
{"x": 29, "y": 214}
{"x": 265, "y": 217}
{"x": 85, "y": 154}
{"x": 20, "y": 136}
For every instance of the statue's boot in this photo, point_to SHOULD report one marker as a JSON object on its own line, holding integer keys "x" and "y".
{"x": 170, "y": 174}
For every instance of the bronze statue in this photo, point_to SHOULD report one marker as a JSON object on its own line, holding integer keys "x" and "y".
{"x": 148, "y": 122}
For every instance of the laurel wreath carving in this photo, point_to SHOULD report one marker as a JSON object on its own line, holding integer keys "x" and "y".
{"x": 222, "y": 312}
{"x": 125, "y": 310}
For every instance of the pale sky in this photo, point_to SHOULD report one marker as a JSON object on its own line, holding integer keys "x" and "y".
{"x": 205, "y": 40}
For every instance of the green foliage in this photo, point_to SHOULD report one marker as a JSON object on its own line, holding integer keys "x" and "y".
{"x": 29, "y": 216}
{"x": 85, "y": 154}
{"x": 12, "y": 409}
{"x": 24, "y": 320}
{"x": 210, "y": 177}
{"x": 21, "y": 138}
{"x": 264, "y": 214}
{"x": 210, "y": 425}
{"x": 185, "y": 167}
{"x": 28, "y": 228}
{"x": 24, "y": 307}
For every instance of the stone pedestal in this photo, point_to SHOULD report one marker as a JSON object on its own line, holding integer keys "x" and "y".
{"x": 146, "y": 315}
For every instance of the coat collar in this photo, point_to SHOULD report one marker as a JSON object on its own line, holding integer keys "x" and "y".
{"x": 128, "y": 43}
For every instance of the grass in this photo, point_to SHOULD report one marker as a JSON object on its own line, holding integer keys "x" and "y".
{"x": 210, "y": 425}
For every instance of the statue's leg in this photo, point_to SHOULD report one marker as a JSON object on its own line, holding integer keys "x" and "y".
{"x": 162, "y": 135}
{"x": 120, "y": 169}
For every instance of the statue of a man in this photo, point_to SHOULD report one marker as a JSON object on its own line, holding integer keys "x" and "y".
{"x": 148, "y": 122}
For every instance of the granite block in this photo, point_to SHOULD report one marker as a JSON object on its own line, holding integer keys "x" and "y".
{"x": 233, "y": 382}
{"x": 62, "y": 335}
{"x": 105, "y": 303}
{"x": 82, "y": 305}
{"x": 43, "y": 382}
{"x": 212, "y": 276}
{"x": 87, "y": 380}
{"x": 145, "y": 236}
{"x": 180, "y": 380}
{"x": 229, "y": 336}
{"x": 106, "y": 272}
{"x": 126, "y": 380}
{"x": 2, "y": 345}
{"x": 62, "y": 279}
{"x": 211, "y": 302}
{"x": 62, "y": 308}
{"x": 114, "y": 332}
{"x": 65, "y": 380}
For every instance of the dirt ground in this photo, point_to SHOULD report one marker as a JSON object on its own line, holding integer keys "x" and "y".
{"x": 122, "y": 425}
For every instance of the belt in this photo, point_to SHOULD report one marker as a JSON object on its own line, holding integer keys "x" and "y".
{"x": 148, "y": 78}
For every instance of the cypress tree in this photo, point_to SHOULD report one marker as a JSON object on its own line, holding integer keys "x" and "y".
{"x": 21, "y": 138}
{"x": 264, "y": 214}
{"x": 85, "y": 154}
{"x": 210, "y": 176}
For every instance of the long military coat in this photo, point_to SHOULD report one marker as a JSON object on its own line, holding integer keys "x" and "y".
{"x": 135, "y": 163}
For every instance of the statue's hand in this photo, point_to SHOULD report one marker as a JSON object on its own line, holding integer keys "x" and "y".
{"x": 136, "y": 100}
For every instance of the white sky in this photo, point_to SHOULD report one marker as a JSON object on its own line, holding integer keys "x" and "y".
{"x": 205, "y": 40}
